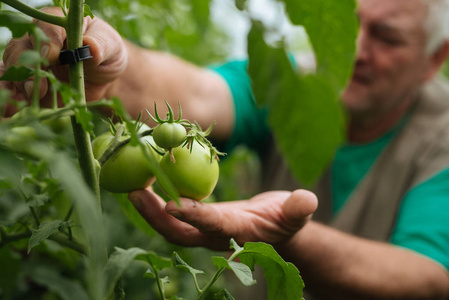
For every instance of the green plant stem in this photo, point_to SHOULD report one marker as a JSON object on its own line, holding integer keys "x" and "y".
{"x": 159, "y": 283}
{"x": 69, "y": 213}
{"x": 5, "y": 239}
{"x": 37, "y": 79}
{"x": 70, "y": 243}
{"x": 37, "y": 14}
{"x": 36, "y": 218}
{"x": 86, "y": 159}
{"x": 116, "y": 144}
{"x": 202, "y": 292}
{"x": 57, "y": 237}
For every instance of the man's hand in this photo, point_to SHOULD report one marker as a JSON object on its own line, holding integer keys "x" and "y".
{"x": 106, "y": 46}
{"x": 271, "y": 217}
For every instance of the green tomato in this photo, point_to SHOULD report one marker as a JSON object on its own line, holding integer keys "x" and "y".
{"x": 169, "y": 135}
{"x": 193, "y": 174}
{"x": 128, "y": 169}
{"x": 57, "y": 125}
{"x": 21, "y": 137}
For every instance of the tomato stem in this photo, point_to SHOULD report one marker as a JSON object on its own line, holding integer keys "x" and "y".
{"x": 116, "y": 144}
{"x": 86, "y": 159}
{"x": 37, "y": 78}
{"x": 37, "y": 14}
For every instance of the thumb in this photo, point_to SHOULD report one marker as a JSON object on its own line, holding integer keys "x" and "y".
{"x": 298, "y": 208}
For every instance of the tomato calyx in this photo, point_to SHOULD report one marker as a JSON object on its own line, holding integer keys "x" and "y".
{"x": 197, "y": 134}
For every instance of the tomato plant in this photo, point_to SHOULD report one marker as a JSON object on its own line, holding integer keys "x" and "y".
{"x": 195, "y": 171}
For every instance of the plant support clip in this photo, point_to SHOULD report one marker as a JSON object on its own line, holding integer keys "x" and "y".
{"x": 69, "y": 57}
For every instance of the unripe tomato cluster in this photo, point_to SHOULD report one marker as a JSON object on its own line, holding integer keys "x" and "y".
{"x": 190, "y": 165}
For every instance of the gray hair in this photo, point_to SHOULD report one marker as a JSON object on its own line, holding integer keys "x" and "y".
{"x": 436, "y": 24}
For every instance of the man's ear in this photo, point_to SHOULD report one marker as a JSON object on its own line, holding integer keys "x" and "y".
{"x": 437, "y": 59}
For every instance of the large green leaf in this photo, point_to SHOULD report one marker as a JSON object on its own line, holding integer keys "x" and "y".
{"x": 89, "y": 212}
{"x": 65, "y": 288}
{"x": 242, "y": 271}
{"x": 304, "y": 111}
{"x": 16, "y": 23}
{"x": 117, "y": 264}
{"x": 43, "y": 232}
{"x": 308, "y": 127}
{"x": 283, "y": 279}
{"x": 200, "y": 12}
{"x": 332, "y": 30}
{"x": 157, "y": 262}
{"x": 17, "y": 73}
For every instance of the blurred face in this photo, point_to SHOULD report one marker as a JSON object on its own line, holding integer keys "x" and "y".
{"x": 391, "y": 60}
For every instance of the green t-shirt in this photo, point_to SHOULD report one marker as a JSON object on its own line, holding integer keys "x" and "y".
{"x": 421, "y": 228}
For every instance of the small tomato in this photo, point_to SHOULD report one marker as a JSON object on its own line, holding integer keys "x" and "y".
{"x": 169, "y": 135}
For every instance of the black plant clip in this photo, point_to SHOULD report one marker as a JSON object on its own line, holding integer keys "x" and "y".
{"x": 69, "y": 57}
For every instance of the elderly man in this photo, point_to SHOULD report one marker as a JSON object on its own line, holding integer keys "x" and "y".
{"x": 381, "y": 230}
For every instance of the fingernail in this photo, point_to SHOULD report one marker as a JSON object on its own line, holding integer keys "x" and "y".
{"x": 44, "y": 51}
{"x": 176, "y": 213}
{"x": 28, "y": 86}
{"x": 136, "y": 202}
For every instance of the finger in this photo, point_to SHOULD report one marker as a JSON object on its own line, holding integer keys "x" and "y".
{"x": 109, "y": 57}
{"x": 207, "y": 218}
{"x": 56, "y": 34}
{"x": 14, "y": 49}
{"x": 298, "y": 208}
{"x": 8, "y": 109}
{"x": 152, "y": 209}
{"x": 50, "y": 50}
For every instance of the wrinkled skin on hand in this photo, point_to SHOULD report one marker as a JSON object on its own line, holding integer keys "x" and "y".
{"x": 271, "y": 217}
{"x": 106, "y": 46}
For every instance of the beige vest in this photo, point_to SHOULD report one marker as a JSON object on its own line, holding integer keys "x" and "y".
{"x": 418, "y": 151}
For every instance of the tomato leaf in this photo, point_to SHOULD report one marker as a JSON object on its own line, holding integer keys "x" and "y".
{"x": 304, "y": 112}
{"x": 88, "y": 11}
{"x": 157, "y": 262}
{"x": 117, "y": 264}
{"x": 283, "y": 279}
{"x": 240, "y": 4}
{"x": 183, "y": 265}
{"x": 242, "y": 271}
{"x": 332, "y": 30}
{"x": 17, "y": 73}
{"x": 133, "y": 215}
{"x": 88, "y": 210}
{"x": 85, "y": 118}
{"x": 267, "y": 81}
{"x": 43, "y": 232}
{"x": 18, "y": 25}
{"x": 225, "y": 295}
{"x": 311, "y": 129}
{"x": 200, "y": 12}
{"x": 68, "y": 289}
